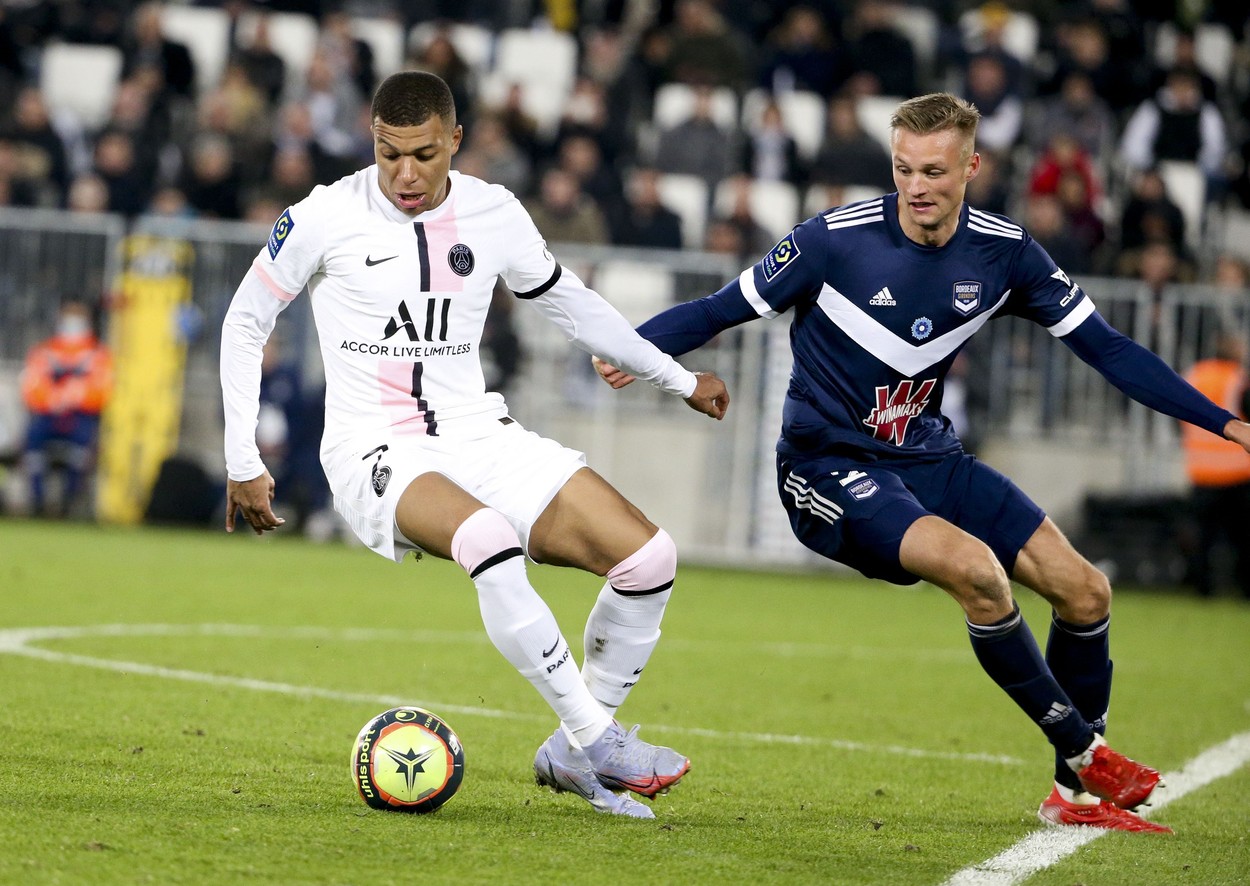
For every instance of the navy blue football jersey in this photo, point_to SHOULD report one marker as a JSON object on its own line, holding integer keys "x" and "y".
{"x": 878, "y": 319}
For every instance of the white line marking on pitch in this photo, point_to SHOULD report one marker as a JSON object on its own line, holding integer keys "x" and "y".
{"x": 1041, "y": 849}
{"x": 18, "y": 641}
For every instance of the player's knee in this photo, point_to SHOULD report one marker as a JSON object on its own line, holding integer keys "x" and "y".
{"x": 1091, "y": 599}
{"x": 484, "y": 539}
{"x": 649, "y": 570}
{"x": 981, "y": 585}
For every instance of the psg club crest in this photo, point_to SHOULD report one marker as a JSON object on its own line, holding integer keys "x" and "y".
{"x": 967, "y": 296}
{"x": 460, "y": 257}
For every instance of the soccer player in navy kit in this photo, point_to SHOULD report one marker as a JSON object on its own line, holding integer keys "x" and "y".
{"x": 883, "y": 294}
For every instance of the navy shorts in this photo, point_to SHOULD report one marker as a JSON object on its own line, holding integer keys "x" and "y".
{"x": 855, "y": 512}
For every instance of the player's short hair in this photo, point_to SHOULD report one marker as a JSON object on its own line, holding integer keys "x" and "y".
{"x": 409, "y": 98}
{"x": 937, "y": 112}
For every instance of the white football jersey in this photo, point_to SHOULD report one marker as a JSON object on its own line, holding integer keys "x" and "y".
{"x": 400, "y": 303}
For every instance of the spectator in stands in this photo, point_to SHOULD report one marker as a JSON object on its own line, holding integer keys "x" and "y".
{"x": 987, "y": 85}
{"x": 581, "y": 155}
{"x": 1045, "y": 221}
{"x": 697, "y": 146}
{"x": 295, "y": 130}
{"x": 265, "y": 69}
{"x": 1064, "y": 154}
{"x": 334, "y": 105}
{"x": 993, "y": 18}
{"x": 129, "y": 182}
{"x": 351, "y": 56}
{"x": 144, "y": 114}
{"x": 292, "y": 175}
{"x": 1083, "y": 47}
{"x": 43, "y": 160}
{"x": 1219, "y": 472}
{"x": 88, "y": 194}
{"x": 170, "y": 202}
{"x": 238, "y": 111}
{"x": 1084, "y": 224}
{"x": 1185, "y": 58}
{"x": 100, "y": 22}
{"x": 769, "y": 152}
{"x": 1076, "y": 110}
{"x": 704, "y": 49}
{"x": 800, "y": 54}
{"x": 1176, "y": 123}
{"x": 992, "y": 189}
{"x": 145, "y": 46}
{"x": 65, "y": 384}
{"x": 1149, "y": 214}
{"x": 643, "y": 219}
{"x": 883, "y": 60}
{"x": 211, "y": 180}
{"x": 440, "y": 56}
{"x": 849, "y": 155}
{"x": 563, "y": 214}
{"x": 586, "y": 113}
{"x": 755, "y": 238}
{"x": 494, "y": 156}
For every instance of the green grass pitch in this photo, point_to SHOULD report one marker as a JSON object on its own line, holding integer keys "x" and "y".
{"x": 193, "y": 724}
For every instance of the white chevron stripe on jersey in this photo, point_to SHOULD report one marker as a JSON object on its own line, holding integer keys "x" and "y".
{"x": 808, "y": 499}
{"x": 987, "y": 224}
{"x": 899, "y": 354}
{"x": 746, "y": 280}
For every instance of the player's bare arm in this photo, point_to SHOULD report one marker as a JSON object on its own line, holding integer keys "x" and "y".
{"x": 255, "y": 499}
{"x": 1239, "y": 433}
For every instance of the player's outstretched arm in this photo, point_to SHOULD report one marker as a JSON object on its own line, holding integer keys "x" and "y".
{"x": 617, "y": 378}
{"x": 1239, "y": 433}
{"x": 255, "y": 499}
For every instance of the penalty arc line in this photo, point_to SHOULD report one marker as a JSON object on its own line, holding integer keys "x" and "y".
{"x": 17, "y": 641}
{"x": 1044, "y": 848}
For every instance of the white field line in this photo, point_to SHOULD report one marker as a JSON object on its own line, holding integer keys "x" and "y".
{"x": 1044, "y": 848}
{"x": 19, "y": 641}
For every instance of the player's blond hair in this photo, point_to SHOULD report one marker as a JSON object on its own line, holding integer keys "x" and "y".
{"x": 937, "y": 112}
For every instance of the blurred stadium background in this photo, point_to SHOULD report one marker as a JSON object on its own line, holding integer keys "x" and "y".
{"x": 151, "y": 181}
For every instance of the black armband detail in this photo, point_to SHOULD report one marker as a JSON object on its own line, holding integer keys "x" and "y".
{"x": 551, "y": 281}
{"x": 505, "y": 554}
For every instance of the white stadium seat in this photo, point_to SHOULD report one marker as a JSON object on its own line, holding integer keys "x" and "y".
{"x": 774, "y": 205}
{"x": 802, "y": 115}
{"x": 542, "y": 63}
{"x": 874, "y": 113}
{"x": 821, "y": 197}
{"x": 205, "y": 31}
{"x": 474, "y": 44}
{"x": 386, "y": 38}
{"x": 674, "y": 104}
{"x": 1019, "y": 36}
{"x": 81, "y": 80}
{"x": 919, "y": 25}
{"x": 1214, "y": 48}
{"x": 686, "y": 195}
{"x": 1187, "y": 187}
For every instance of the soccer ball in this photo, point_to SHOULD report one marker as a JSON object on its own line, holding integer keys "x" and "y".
{"x": 408, "y": 760}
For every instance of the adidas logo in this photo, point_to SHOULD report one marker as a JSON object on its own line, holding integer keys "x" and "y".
{"x": 1056, "y": 713}
{"x": 883, "y": 299}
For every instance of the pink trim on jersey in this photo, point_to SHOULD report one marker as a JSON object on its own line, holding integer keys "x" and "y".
{"x": 403, "y": 411}
{"x": 441, "y": 236}
{"x": 273, "y": 287}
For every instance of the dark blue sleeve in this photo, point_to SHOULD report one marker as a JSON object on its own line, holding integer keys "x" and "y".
{"x": 684, "y": 327}
{"x": 1143, "y": 375}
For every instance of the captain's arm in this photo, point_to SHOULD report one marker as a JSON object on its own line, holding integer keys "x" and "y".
{"x": 1142, "y": 375}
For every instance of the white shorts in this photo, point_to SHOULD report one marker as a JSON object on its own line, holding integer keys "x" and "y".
{"x": 498, "y": 462}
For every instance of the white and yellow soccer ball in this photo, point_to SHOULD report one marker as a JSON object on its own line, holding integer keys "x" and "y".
{"x": 407, "y": 760}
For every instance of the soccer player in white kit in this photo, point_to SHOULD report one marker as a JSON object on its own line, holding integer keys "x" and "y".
{"x": 400, "y": 260}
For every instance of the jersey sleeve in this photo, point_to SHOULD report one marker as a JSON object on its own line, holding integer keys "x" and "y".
{"x": 791, "y": 273}
{"x": 1045, "y": 294}
{"x": 295, "y": 249}
{"x": 531, "y": 268}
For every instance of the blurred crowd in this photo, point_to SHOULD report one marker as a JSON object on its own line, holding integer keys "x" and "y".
{"x": 1116, "y": 130}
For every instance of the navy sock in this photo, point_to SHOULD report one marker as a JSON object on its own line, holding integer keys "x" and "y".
{"x": 1009, "y": 654}
{"x": 1080, "y": 658}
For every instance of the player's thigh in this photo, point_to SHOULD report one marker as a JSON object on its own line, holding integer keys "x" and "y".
{"x": 590, "y": 525}
{"x": 956, "y": 561}
{"x": 852, "y": 513}
{"x": 1051, "y": 566}
{"x": 431, "y": 509}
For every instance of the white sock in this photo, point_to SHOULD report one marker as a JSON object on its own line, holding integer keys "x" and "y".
{"x": 1083, "y": 759}
{"x": 520, "y": 623}
{"x": 624, "y": 624}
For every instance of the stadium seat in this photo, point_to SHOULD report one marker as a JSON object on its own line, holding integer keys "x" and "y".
{"x": 874, "y": 112}
{"x": 818, "y": 198}
{"x": 919, "y": 25}
{"x": 1214, "y": 49}
{"x": 475, "y": 44}
{"x": 1019, "y": 38}
{"x": 292, "y": 36}
{"x": 1235, "y": 238}
{"x": 686, "y": 195}
{"x": 542, "y": 63}
{"x": 1187, "y": 187}
{"x": 802, "y": 114}
{"x": 774, "y": 205}
{"x": 639, "y": 290}
{"x": 674, "y": 103}
{"x": 205, "y": 31}
{"x": 81, "y": 80}
{"x": 386, "y": 38}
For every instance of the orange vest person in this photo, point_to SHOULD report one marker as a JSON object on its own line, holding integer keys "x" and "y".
{"x": 65, "y": 384}
{"x": 1219, "y": 471}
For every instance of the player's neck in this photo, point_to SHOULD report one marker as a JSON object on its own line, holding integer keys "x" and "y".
{"x": 934, "y": 237}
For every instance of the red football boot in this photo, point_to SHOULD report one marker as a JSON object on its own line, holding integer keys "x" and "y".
{"x": 1057, "y": 811}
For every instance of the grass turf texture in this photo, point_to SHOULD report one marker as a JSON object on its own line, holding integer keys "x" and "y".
{"x": 118, "y": 776}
